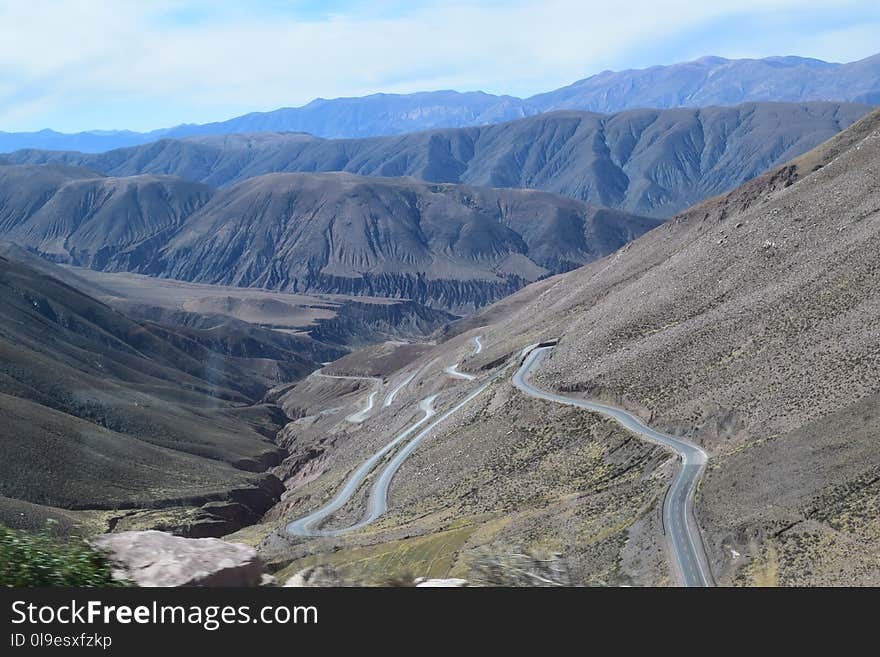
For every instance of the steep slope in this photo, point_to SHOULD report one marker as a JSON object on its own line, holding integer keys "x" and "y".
{"x": 76, "y": 216}
{"x": 748, "y": 324}
{"x": 651, "y": 162}
{"x": 25, "y": 189}
{"x": 699, "y": 83}
{"x": 100, "y": 412}
{"x": 450, "y": 246}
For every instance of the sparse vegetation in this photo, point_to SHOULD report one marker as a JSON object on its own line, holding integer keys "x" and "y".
{"x": 521, "y": 569}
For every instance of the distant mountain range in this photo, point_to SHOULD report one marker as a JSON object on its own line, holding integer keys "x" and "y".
{"x": 649, "y": 162}
{"x": 700, "y": 83}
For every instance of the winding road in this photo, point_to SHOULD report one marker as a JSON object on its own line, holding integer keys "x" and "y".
{"x": 680, "y": 527}
{"x": 358, "y": 416}
{"x": 452, "y": 371}
{"x": 377, "y": 502}
{"x": 306, "y": 526}
{"x": 362, "y": 414}
{"x": 679, "y": 522}
{"x": 389, "y": 398}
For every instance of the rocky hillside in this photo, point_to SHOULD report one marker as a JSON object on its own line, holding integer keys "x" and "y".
{"x": 650, "y": 162}
{"x": 450, "y": 246}
{"x": 106, "y": 420}
{"x": 748, "y": 324}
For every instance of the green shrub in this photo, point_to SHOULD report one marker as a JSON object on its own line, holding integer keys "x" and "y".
{"x": 39, "y": 559}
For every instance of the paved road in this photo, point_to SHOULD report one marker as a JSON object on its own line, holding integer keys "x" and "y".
{"x": 682, "y": 533}
{"x": 452, "y": 370}
{"x": 362, "y": 414}
{"x": 389, "y": 398}
{"x": 307, "y": 526}
{"x": 358, "y": 416}
{"x": 377, "y": 502}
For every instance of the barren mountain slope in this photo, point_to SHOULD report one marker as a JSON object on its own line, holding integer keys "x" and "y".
{"x": 80, "y": 217}
{"x": 450, "y": 246}
{"x": 103, "y": 413}
{"x": 748, "y": 324}
{"x": 653, "y": 162}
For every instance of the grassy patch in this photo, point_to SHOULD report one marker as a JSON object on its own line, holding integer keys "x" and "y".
{"x": 764, "y": 571}
{"x": 39, "y": 559}
{"x": 422, "y": 556}
{"x": 252, "y": 535}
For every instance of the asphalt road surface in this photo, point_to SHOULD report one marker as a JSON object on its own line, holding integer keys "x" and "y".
{"x": 307, "y": 526}
{"x": 377, "y": 502}
{"x": 358, "y": 416}
{"x": 389, "y": 398}
{"x": 682, "y": 533}
{"x": 452, "y": 370}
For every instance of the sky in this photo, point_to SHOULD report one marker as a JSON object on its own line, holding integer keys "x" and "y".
{"x": 74, "y": 65}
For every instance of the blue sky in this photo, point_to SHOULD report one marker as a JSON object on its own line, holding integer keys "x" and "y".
{"x": 142, "y": 64}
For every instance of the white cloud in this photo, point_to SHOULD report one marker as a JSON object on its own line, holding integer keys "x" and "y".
{"x": 58, "y": 57}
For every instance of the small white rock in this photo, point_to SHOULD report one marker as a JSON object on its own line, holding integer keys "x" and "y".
{"x": 452, "y": 582}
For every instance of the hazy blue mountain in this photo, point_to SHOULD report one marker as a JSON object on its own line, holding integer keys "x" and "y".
{"x": 450, "y": 246}
{"x": 379, "y": 114}
{"x": 370, "y": 116}
{"x": 95, "y": 141}
{"x": 718, "y": 81}
{"x": 649, "y": 162}
{"x": 706, "y": 81}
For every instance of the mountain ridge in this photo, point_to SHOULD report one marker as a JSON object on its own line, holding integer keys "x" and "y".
{"x": 706, "y": 81}
{"x": 650, "y": 162}
{"x": 454, "y": 247}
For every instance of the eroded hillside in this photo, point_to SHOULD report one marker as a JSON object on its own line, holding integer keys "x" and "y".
{"x": 747, "y": 324}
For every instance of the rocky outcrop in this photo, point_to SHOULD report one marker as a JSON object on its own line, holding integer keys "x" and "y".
{"x": 450, "y": 583}
{"x": 240, "y": 507}
{"x": 699, "y": 83}
{"x": 152, "y": 558}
